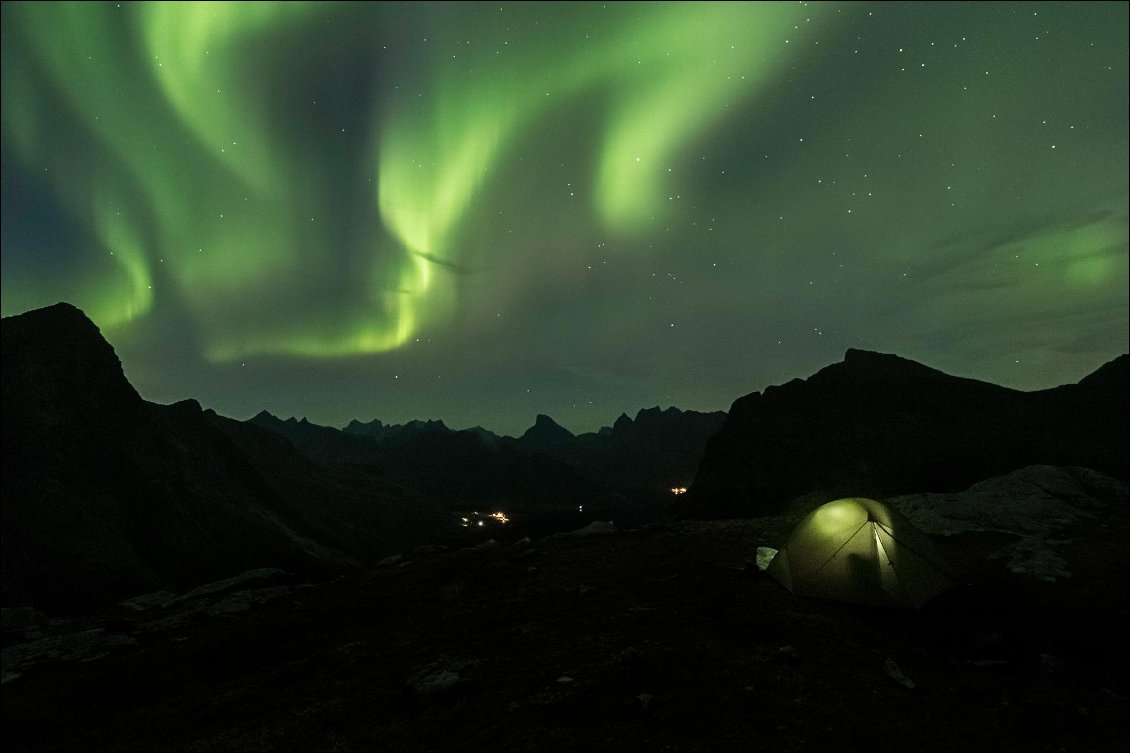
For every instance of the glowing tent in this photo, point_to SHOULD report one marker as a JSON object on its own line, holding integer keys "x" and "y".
{"x": 860, "y": 550}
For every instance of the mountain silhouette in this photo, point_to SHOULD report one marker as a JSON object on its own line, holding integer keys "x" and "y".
{"x": 875, "y": 425}
{"x": 658, "y": 450}
{"x": 393, "y": 432}
{"x": 544, "y": 434}
{"x": 107, "y": 495}
{"x": 624, "y": 472}
{"x": 464, "y": 470}
{"x": 320, "y": 443}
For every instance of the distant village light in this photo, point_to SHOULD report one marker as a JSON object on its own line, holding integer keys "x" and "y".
{"x": 678, "y": 490}
{"x": 480, "y": 519}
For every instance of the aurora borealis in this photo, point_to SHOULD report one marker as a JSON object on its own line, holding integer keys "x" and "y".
{"x": 479, "y": 212}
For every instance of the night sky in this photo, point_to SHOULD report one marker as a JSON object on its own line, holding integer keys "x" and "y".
{"x": 483, "y": 212}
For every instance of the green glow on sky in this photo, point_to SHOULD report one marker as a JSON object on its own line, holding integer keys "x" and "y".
{"x": 135, "y": 296}
{"x": 705, "y": 57}
{"x": 220, "y": 187}
{"x": 435, "y": 158}
{"x": 675, "y": 78}
{"x": 193, "y": 52}
{"x": 642, "y": 200}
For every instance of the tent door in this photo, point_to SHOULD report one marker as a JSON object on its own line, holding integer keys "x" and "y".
{"x": 888, "y": 578}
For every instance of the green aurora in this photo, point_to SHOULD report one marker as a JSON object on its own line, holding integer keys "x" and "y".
{"x": 479, "y": 212}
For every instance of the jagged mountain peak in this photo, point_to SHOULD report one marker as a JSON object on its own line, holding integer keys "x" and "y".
{"x": 356, "y": 425}
{"x": 545, "y": 432}
{"x": 58, "y": 351}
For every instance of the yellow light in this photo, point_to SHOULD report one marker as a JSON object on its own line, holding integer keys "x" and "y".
{"x": 841, "y": 514}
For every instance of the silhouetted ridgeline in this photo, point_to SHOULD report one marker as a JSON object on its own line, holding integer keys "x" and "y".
{"x": 875, "y": 425}
{"x": 623, "y": 472}
{"x": 459, "y": 468}
{"x": 106, "y": 495}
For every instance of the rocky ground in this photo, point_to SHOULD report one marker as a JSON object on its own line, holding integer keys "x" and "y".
{"x": 659, "y": 638}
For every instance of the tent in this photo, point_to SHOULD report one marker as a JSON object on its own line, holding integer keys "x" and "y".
{"x": 860, "y": 550}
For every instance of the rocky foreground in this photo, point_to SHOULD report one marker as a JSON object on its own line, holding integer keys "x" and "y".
{"x": 660, "y": 638}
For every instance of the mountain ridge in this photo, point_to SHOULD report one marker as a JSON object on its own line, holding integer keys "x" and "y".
{"x": 877, "y": 424}
{"x": 106, "y": 495}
